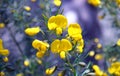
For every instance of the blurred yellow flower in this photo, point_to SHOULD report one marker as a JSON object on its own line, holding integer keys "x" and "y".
{"x": 91, "y": 53}
{"x": 19, "y": 74}
{"x": 57, "y": 23}
{"x": 57, "y": 2}
{"x": 1, "y": 44}
{"x": 27, "y": 8}
{"x": 118, "y": 2}
{"x": 74, "y": 31}
{"x": 114, "y": 69}
{"x": 2, "y": 25}
{"x": 96, "y": 40}
{"x": 2, "y": 73}
{"x": 98, "y": 71}
{"x": 5, "y": 59}
{"x": 33, "y": 0}
{"x": 4, "y": 52}
{"x": 62, "y": 55}
{"x": 94, "y": 2}
{"x": 50, "y": 71}
{"x": 40, "y": 45}
{"x": 60, "y": 45}
{"x": 26, "y": 63}
{"x": 118, "y": 42}
{"x": 32, "y": 31}
{"x": 98, "y": 56}
{"x": 99, "y": 45}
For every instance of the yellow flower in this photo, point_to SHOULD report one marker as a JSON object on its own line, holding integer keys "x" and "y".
{"x": 57, "y": 23}
{"x": 74, "y": 31}
{"x": 99, "y": 45}
{"x": 98, "y": 56}
{"x": 60, "y": 45}
{"x": 1, "y": 44}
{"x": 2, "y": 73}
{"x": 40, "y": 45}
{"x": 5, "y": 59}
{"x": 114, "y": 68}
{"x": 118, "y": 42}
{"x": 2, "y": 25}
{"x": 27, "y": 8}
{"x": 50, "y": 71}
{"x": 19, "y": 74}
{"x": 98, "y": 71}
{"x": 94, "y": 2}
{"x": 80, "y": 46}
{"x": 62, "y": 55}
{"x": 4, "y": 52}
{"x": 26, "y": 63}
{"x": 40, "y": 54}
{"x": 118, "y": 2}
{"x": 57, "y": 2}
{"x": 32, "y": 31}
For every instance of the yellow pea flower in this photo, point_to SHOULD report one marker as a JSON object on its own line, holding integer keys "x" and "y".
{"x": 94, "y": 2}
{"x": 98, "y": 71}
{"x": 32, "y": 31}
{"x": 57, "y": 22}
{"x": 74, "y": 31}
{"x": 62, "y": 55}
{"x": 118, "y": 42}
{"x": 50, "y": 71}
{"x": 2, "y": 25}
{"x": 60, "y": 45}
{"x": 4, "y": 52}
{"x": 5, "y": 59}
{"x": 114, "y": 68}
{"x": 40, "y": 45}
{"x": 57, "y": 2}
{"x": 27, "y": 8}
{"x": 26, "y": 63}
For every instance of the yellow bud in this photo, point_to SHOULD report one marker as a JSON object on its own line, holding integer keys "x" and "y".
{"x": 62, "y": 55}
{"x": 50, "y": 71}
{"x": 96, "y": 40}
{"x": 2, "y": 25}
{"x": 118, "y": 42}
{"x": 99, "y": 45}
{"x": 26, "y": 62}
{"x": 39, "y": 61}
{"x": 27, "y": 8}
{"x": 5, "y": 59}
{"x": 57, "y": 2}
{"x": 98, "y": 56}
{"x": 60, "y": 73}
{"x": 91, "y": 53}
